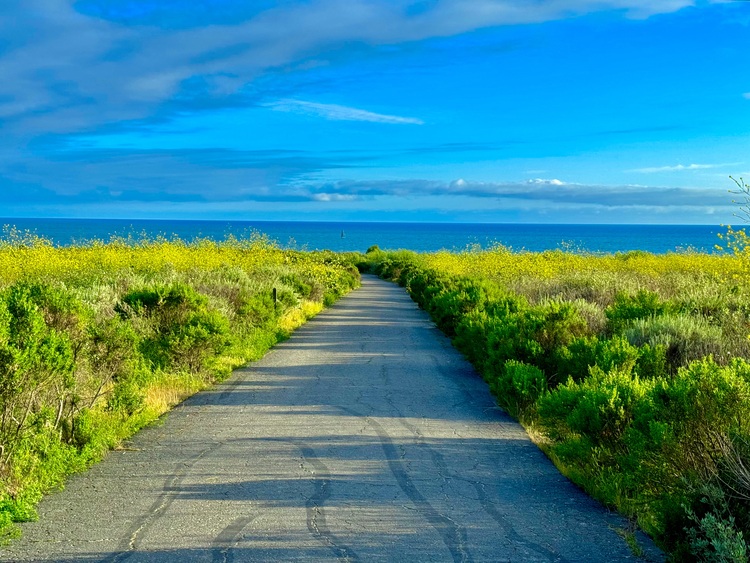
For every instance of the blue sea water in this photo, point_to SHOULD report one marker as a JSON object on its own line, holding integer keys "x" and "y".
{"x": 421, "y": 237}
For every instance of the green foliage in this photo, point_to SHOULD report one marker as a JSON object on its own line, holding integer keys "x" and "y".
{"x": 575, "y": 360}
{"x": 518, "y": 387}
{"x": 454, "y": 300}
{"x": 598, "y": 409}
{"x": 717, "y": 540}
{"x": 652, "y": 362}
{"x": 714, "y": 537}
{"x": 636, "y": 391}
{"x": 178, "y": 328}
{"x": 684, "y": 338}
{"x": 98, "y": 341}
{"x": 627, "y": 308}
{"x": 36, "y": 361}
{"x": 535, "y": 335}
{"x": 301, "y": 287}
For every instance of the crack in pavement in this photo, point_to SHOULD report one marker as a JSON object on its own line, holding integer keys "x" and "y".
{"x": 229, "y": 537}
{"x": 130, "y": 543}
{"x": 439, "y": 461}
{"x": 316, "y": 517}
{"x": 453, "y": 535}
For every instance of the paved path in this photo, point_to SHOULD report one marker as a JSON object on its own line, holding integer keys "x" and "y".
{"x": 365, "y": 437}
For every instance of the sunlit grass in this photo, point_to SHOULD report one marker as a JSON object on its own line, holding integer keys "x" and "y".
{"x": 630, "y": 371}
{"x": 97, "y": 341}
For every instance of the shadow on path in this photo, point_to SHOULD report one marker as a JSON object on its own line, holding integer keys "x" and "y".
{"x": 365, "y": 437}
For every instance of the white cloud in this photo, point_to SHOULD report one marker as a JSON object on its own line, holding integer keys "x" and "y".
{"x": 333, "y": 197}
{"x": 543, "y": 182}
{"x": 680, "y": 168}
{"x": 335, "y": 112}
{"x": 535, "y": 191}
{"x": 79, "y": 71}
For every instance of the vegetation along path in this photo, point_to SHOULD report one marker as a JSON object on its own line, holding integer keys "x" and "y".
{"x": 365, "y": 437}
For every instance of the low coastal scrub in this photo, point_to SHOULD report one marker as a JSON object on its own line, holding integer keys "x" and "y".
{"x": 98, "y": 340}
{"x": 631, "y": 369}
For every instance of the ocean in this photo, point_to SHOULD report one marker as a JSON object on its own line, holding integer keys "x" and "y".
{"x": 420, "y": 237}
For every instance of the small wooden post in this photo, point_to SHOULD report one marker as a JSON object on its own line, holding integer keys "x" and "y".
{"x": 274, "y": 298}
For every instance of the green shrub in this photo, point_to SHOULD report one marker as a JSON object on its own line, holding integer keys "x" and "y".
{"x": 474, "y": 329}
{"x": 471, "y": 338}
{"x": 180, "y": 329}
{"x": 518, "y": 387}
{"x": 628, "y": 308}
{"x": 684, "y": 338}
{"x": 652, "y": 361}
{"x": 699, "y": 403}
{"x": 592, "y": 313}
{"x": 36, "y": 364}
{"x": 535, "y": 336}
{"x": 456, "y": 300}
{"x": 599, "y": 408}
{"x": 713, "y": 536}
{"x": 258, "y": 310}
{"x": 575, "y": 360}
{"x": 113, "y": 357}
{"x": 168, "y": 305}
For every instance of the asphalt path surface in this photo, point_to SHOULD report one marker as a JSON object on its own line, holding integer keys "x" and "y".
{"x": 364, "y": 437}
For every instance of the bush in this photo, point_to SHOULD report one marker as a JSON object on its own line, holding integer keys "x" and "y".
{"x": 518, "y": 387}
{"x": 575, "y": 360}
{"x": 713, "y": 536}
{"x": 700, "y": 403}
{"x": 455, "y": 300}
{"x": 36, "y": 364}
{"x": 683, "y": 338}
{"x": 301, "y": 287}
{"x": 628, "y": 308}
{"x": 599, "y": 408}
{"x": 535, "y": 336}
{"x": 180, "y": 329}
{"x": 113, "y": 358}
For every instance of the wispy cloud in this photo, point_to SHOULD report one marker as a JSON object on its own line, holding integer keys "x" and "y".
{"x": 681, "y": 167}
{"x": 543, "y": 182}
{"x": 335, "y": 112}
{"x": 223, "y": 176}
{"x": 333, "y": 197}
{"x": 549, "y": 192}
{"x": 87, "y": 68}
{"x": 57, "y": 51}
{"x": 223, "y": 183}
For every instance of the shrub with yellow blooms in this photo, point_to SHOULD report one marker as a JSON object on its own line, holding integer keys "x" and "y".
{"x": 630, "y": 368}
{"x": 98, "y": 340}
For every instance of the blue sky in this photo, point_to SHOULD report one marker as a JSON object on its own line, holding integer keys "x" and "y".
{"x": 554, "y": 111}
